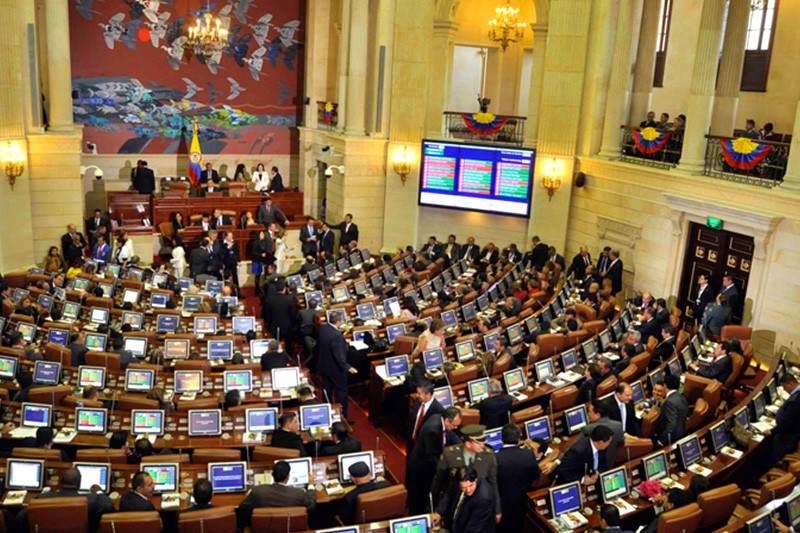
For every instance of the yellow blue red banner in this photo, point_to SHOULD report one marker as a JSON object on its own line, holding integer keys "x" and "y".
{"x": 483, "y": 123}
{"x": 650, "y": 140}
{"x": 743, "y": 153}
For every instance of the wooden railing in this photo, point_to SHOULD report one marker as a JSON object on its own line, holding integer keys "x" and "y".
{"x": 767, "y": 173}
{"x": 667, "y": 157}
{"x": 327, "y": 115}
{"x": 511, "y": 132}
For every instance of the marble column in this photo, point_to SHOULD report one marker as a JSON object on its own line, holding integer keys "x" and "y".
{"x": 357, "y": 68}
{"x": 729, "y": 80}
{"x": 341, "y": 64}
{"x": 58, "y": 66}
{"x": 444, "y": 34}
{"x": 701, "y": 94}
{"x": 537, "y": 76}
{"x": 317, "y": 57}
{"x": 645, "y": 61}
{"x": 619, "y": 85}
{"x": 791, "y": 180}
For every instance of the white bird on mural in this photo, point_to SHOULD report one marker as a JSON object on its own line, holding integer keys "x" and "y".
{"x": 112, "y": 32}
{"x": 261, "y": 28}
{"x": 212, "y": 61}
{"x": 175, "y": 52}
{"x": 255, "y": 62}
{"x": 236, "y": 89}
{"x": 240, "y": 11}
{"x": 287, "y": 32}
{"x": 150, "y": 9}
{"x": 158, "y": 29}
{"x": 191, "y": 89}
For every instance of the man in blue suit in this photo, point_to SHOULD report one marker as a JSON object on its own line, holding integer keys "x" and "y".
{"x": 787, "y": 431}
{"x": 333, "y": 361}
{"x": 585, "y": 458}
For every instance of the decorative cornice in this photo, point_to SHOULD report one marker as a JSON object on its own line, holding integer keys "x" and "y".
{"x": 618, "y": 231}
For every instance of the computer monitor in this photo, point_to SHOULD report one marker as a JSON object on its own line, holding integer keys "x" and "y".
{"x": 191, "y": 302}
{"x": 532, "y": 324}
{"x": 366, "y": 311}
{"x": 313, "y": 295}
{"x": 444, "y": 395}
{"x": 91, "y": 420}
{"x": 205, "y": 325}
{"x": 355, "y": 258}
{"x": 434, "y": 359}
{"x": 655, "y": 377}
{"x": 71, "y": 310}
{"x": 790, "y": 510}
{"x": 391, "y": 307}
{"x": 614, "y": 484}
{"x": 92, "y": 375}
{"x": 482, "y": 301}
{"x": 185, "y": 284}
{"x": 589, "y": 350}
{"x": 605, "y": 339}
{"x": 569, "y": 359}
{"x": 426, "y": 292}
{"x": 228, "y": 477}
{"x": 397, "y": 366}
{"x": 689, "y": 451}
{"x": 576, "y": 419}
{"x": 347, "y": 459}
{"x": 315, "y": 416}
{"x": 544, "y": 370}
{"x": 46, "y": 373}
{"x": 28, "y": 331}
{"x": 760, "y": 524}
{"x": 655, "y": 466}
{"x": 468, "y": 311}
{"x": 35, "y": 415}
{"x": 147, "y": 421}
{"x": 394, "y": 331}
{"x": 58, "y": 336}
{"x": 465, "y": 351}
{"x": 674, "y": 366}
{"x": 489, "y": 340}
{"x": 243, "y": 324}
{"x": 412, "y": 524}
{"x": 494, "y": 439}
{"x": 514, "y": 332}
{"x": 758, "y": 404}
{"x": 285, "y": 378}
{"x": 167, "y": 323}
{"x": 539, "y": 428}
{"x": 45, "y": 301}
{"x": 340, "y": 313}
{"x": 772, "y": 390}
{"x": 190, "y": 381}
{"x": 176, "y": 348}
{"x": 742, "y": 417}
{"x": 130, "y": 296}
{"x": 8, "y": 367}
{"x": 449, "y": 318}
{"x": 159, "y": 300}
{"x": 214, "y": 287}
{"x": 638, "y": 392}
{"x": 136, "y": 345}
{"x": 139, "y": 379}
{"x": 205, "y": 422}
{"x": 313, "y": 275}
{"x": 96, "y": 342}
{"x": 166, "y": 476}
{"x": 260, "y": 419}
{"x": 107, "y": 288}
{"x": 720, "y": 436}
{"x": 296, "y": 279}
{"x": 239, "y": 380}
{"x": 99, "y": 315}
{"x": 514, "y": 380}
{"x": 259, "y": 347}
{"x": 220, "y": 350}
{"x": 24, "y": 474}
{"x": 361, "y": 287}
{"x": 340, "y": 294}
{"x": 478, "y": 389}
{"x": 93, "y": 474}
{"x": 299, "y": 472}
{"x": 565, "y": 498}
{"x": 618, "y": 330}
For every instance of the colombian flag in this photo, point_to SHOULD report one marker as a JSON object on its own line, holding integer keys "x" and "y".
{"x": 195, "y": 158}
{"x": 743, "y": 153}
{"x": 650, "y": 140}
{"x": 483, "y": 123}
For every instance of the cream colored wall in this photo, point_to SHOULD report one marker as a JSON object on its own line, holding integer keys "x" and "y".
{"x": 484, "y": 227}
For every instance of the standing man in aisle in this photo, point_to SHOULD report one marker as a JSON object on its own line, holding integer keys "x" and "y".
{"x": 348, "y": 229}
{"x": 333, "y": 362}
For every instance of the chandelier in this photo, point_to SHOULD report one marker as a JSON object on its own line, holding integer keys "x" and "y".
{"x": 504, "y": 27}
{"x": 208, "y": 36}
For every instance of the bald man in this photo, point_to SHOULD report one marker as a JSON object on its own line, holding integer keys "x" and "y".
{"x": 579, "y": 263}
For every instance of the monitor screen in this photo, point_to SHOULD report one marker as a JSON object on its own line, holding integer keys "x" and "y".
{"x": 243, "y": 324}
{"x": 45, "y": 301}
{"x": 444, "y": 395}
{"x": 58, "y": 336}
{"x": 565, "y": 498}
{"x": 204, "y": 422}
{"x": 348, "y": 459}
{"x": 240, "y": 380}
{"x": 514, "y": 380}
{"x": 108, "y": 289}
{"x": 147, "y": 421}
{"x": 205, "y": 325}
{"x": 760, "y": 524}
{"x": 514, "y": 333}
{"x": 99, "y": 315}
{"x": 759, "y": 405}
{"x": 259, "y": 347}
{"x": 675, "y": 367}
{"x": 222, "y": 350}
{"x": 340, "y": 294}
{"x": 158, "y": 300}
{"x": 397, "y": 365}
{"x": 468, "y": 311}
{"x": 361, "y": 287}
{"x": 742, "y": 417}
{"x": 605, "y": 339}
{"x": 720, "y": 436}
{"x": 690, "y": 451}
{"x": 589, "y": 350}
{"x": 214, "y": 287}
{"x": 538, "y": 428}
{"x": 391, "y": 307}
{"x": 482, "y": 301}
{"x": 365, "y": 311}
{"x": 655, "y": 377}
{"x": 24, "y": 474}
{"x": 185, "y": 283}
{"x": 317, "y": 415}
{"x": 494, "y": 439}
{"x": 791, "y": 510}
{"x": 8, "y": 367}
{"x": 228, "y": 477}
{"x": 313, "y": 295}
{"x": 176, "y": 348}
{"x": 489, "y": 340}
{"x": 94, "y": 474}
{"x": 285, "y": 378}
{"x": 91, "y": 375}
{"x": 340, "y": 313}
{"x": 136, "y": 345}
{"x": 394, "y": 331}
{"x": 544, "y": 370}
{"x": 433, "y": 358}
{"x": 299, "y": 472}
{"x": 772, "y": 389}
{"x": 165, "y": 475}
{"x": 167, "y": 323}
{"x": 71, "y": 310}
{"x": 130, "y": 296}
{"x": 95, "y": 342}
{"x": 342, "y": 264}
{"x": 569, "y": 359}
{"x": 638, "y": 392}
{"x": 28, "y": 331}
{"x": 465, "y": 351}
{"x": 655, "y": 466}
{"x": 532, "y": 324}
{"x": 90, "y": 420}
{"x": 188, "y": 381}
{"x": 35, "y": 415}
{"x": 576, "y": 418}
{"x": 261, "y": 419}
{"x": 449, "y": 318}
{"x": 296, "y": 279}
{"x": 412, "y": 524}
{"x": 139, "y": 380}
{"x": 478, "y": 389}
{"x": 46, "y": 373}
{"x": 614, "y": 484}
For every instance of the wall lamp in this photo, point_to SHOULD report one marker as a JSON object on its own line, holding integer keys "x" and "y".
{"x": 403, "y": 161}
{"x": 551, "y": 176}
{"x": 13, "y": 162}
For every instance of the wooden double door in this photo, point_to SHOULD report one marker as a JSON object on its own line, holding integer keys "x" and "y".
{"x": 715, "y": 253}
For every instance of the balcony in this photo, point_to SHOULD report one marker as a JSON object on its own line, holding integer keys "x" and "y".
{"x": 327, "y": 115}
{"x": 503, "y": 129}
{"x": 656, "y": 152}
{"x": 753, "y": 169}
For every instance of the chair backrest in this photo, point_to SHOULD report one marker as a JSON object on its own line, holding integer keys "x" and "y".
{"x": 733, "y": 331}
{"x": 718, "y": 505}
{"x": 594, "y": 326}
{"x": 52, "y": 394}
{"x": 381, "y": 504}
{"x": 737, "y": 367}
{"x": 606, "y": 386}
{"x": 215, "y": 519}
{"x": 131, "y": 522}
{"x": 272, "y": 453}
{"x": 686, "y": 518}
{"x": 462, "y": 375}
{"x": 279, "y": 519}
{"x": 200, "y": 403}
{"x": 36, "y": 453}
{"x": 632, "y": 449}
{"x": 698, "y": 416}
{"x": 712, "y": 394}
{"x": 693, "y": 386}
{"x": 102, "y": 455}
{"x": 518, "y": 417}
{"x": 212, "y": 455}
{"x": 54, "y": 515}
{"x": 132, "y": 401}
{"x": 470, "y": 416}
{"x": 551, "y": 343}
{"x": 563, "y": 398}
{"x": 182, "y": 458}
{"x": 628, "y": 374}
{"x": 642, "y": 361}
{"x": 502, "y": 364}
{"x": 404, "y": 344}
{"x": 57, "y": 354}
{"x": 109, "y": 360}
{"x": 577, "y": 337}
{"x": 775, "y": 489}
{"x": 194, "y": 364}
{"x": 649, "y": 421}
{"x": 585, "y": 312}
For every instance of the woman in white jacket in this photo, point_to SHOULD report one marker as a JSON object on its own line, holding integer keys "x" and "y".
{"x": 261, "y": 178}
{"x": 124, "y": 251}
{"x": 178, "y": 256}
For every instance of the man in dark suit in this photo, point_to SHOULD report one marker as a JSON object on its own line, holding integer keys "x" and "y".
{"x": 452, "y": 250}
{"x": 269, "y": 213}
{"x": 287, "y": 434}
{"x": 556, "y": 258}
{"x": 78, "y": 349}
{"x": 432, "y": 249}
{"x": 309, "y": 238}
{"x": 72, "y": 244}
{"x": 94, "y": 224}
{"x": 579, "y": 263}
{"x": 512, "y": 253}
{"x": 490, "y": 254}
{"x": 278, "y": 494}
{"x": 730, "y": 292}
{"x": 280, "y": 312}
{"x": 586, "y": 391}
{"x": 614, "y": 272}
{"x": 276, "y": 183}
{"x": 97, "y": 501}
{"x": 144, "y": 180}
{"x": 471, "y": 509}
{"x": 348, "y": 229}
{"x": 425, "y": 455}
{"x": 704, "y": 295}
{"x": 138, "y": 498}
{"x": 584, "y": 459}
{"x": 537, "y": 257}
{"x": 609, "y": 519}
{"x": 620, "y": 407}
{"x": 229, "y": 253}
{"x": 200, "y": 258}
{"x": 209, "y": 178}
{"x": 425, "y": 406}
{"x": 326, "y": 240}
{"x": 517, "y": 469}
{"x": 495, "y": 409}
{"x": 603, "y": 261}
{"x": 343, "y": 442}
{"x": 666, "y": 348}
{"x": 598, "y": 416}
{"x": 362, "y": 479}
{"x": 202, "y": 493}
{"x": 674, "y": 412}
{"x": 649, "y": 326}
{"x": 470, "y": 251}
{"x": 721, "y": 365}
{"x": 333, "y": 363}
{"x": 787, "y": 431}
{"x": 219, "y": 219}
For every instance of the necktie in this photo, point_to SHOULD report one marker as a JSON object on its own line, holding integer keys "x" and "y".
{"x": 595, "y": 459}
{"x": 420, "y": 417}
{"x": 586, "y": 260}
{"x": 623, "y": 413}
{"x": 458, "y": 506}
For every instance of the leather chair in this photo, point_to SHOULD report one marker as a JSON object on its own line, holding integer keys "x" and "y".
{"x": 202, "y": 456}
{"x": 94, "y": 301}
{"x": 681, "y": 341}
{"x": 102, "y": 455}
{"x": 563, "y": 398}
{"x": 16, "y": 317}
{"x": 742, "y": 333}
{"x": 201, "y": 403}
{"x": 551, "y": 343}
{"x": 12, "y": 352}
{"x": 718, "y": 505}
{"x": 578, "y": 336}
{"x": 462, "y": 375}
{"x": 57, "y": 515}
{"x": 693, "y": 387}
{"x": 194, "y": 364}
{"x": 270, "y": 454}
{"x": 686, "y": 518}
{"x": 470, "y": 416}
{"x": 279, "y": 519}
{"x": 534, "y": 354}
{"x": 36, "y": 453}
{"x": 642, "y": 361}
{"x": 74, "y": 401}
{"x": 107, "y": 359}
{"x": 502, "y": 364}
{"x": 712, "y": 394}
{"x": 595, "y": 326}
{"x": 633, "y": 448}
{"x": 585, "y": 313}
{"x": 510, "y": 321}
{"x": 404, "y": 344}
{"x": 381, "y": 504}
{"x": 132, "y": 284}
{"x": 17, "y": 280}
{"x": 698, "y": 416}
{"x": 628, "y": 374}
{"x": 523, "y": 415}
{"x": 649, "y": 423}
{"x": 131, "y": 522}
{"x": 606, "y": 386}
{"x": 181, "y": 458}
{"x": 737, "y": 367}
{"x": 127, "y": 402}
{"x": 434, "y": 311}
{"x": 52, "y": 394}
{"x": 772, "y": 490}
{"x": 215, "y": 519}
{"x": 58, "y": 354}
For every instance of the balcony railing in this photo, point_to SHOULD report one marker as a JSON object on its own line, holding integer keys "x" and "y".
{"x": 767, "y": 172}
{"x": 327, "y": 115}
{"x": 666, "y": 156}
{"x": 506, "y": 129}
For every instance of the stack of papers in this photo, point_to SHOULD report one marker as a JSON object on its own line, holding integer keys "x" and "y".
{"x": 15, "y": 497}
{"x": 23, "y": 432}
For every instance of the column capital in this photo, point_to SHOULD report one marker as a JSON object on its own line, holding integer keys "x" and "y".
{"x": 445, "y": 26}
{"x": 539, "y": 30}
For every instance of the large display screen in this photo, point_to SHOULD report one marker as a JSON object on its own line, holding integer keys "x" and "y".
{"x": 473, "y": 177}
